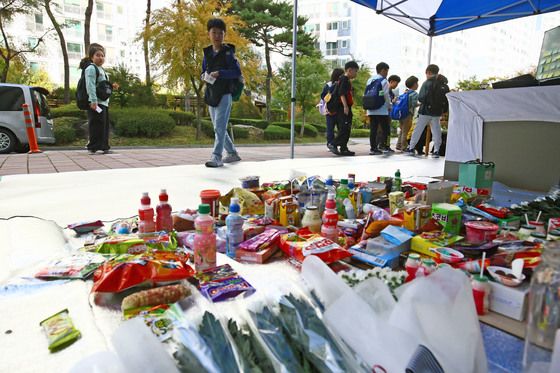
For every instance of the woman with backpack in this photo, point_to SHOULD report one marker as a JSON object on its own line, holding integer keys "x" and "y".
{"x": 98, "y": 90}
{"x": 330, "y": 117}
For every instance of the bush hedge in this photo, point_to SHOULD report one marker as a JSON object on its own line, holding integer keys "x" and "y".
{"x": 207, "y": 127}
{"x": 240, "y": 133}
{"x": 273, "y": 132}
{"x": 68, "y": 110}
{"x": 259, "y": 123}
{"x": 359, "y": 132}
{"x": 141, "y": 122}
{"x": 278, "y": 115}
{"x": 320, "y": 127}
{"x": 183, "y": 118}
{"x": 65, "y": 129}
{"x": 308, "y": 131}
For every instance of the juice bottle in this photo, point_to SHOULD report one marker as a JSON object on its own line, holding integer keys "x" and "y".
{"x": 397, "y": 182}
{"x": 146, "y": 215}
{"x": 329, "y": 227}
{"x": 329, "y": 185}
{"x": 234, "y": 228}
{"x": 204, "y": 239}
{"x": 164, "y": 221}
{"x": 342, "y": 192}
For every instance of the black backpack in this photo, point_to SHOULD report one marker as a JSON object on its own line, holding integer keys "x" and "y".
{"x": 103, "y": 89}
{"x": 437, "y": 103}
{"x": 334, "y": 104}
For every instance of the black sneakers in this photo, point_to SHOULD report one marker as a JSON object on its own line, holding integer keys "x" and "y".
{"x": 375, "y": 152}
{"x": 347, "y": 152}
{"x": 333, "y": 149}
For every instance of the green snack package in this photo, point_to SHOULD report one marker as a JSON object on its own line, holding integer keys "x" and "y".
{"x": 60, "y": 330}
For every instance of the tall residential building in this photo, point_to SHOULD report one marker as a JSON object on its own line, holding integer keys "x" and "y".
{"x": 346, "y": 30}
{"x": 114, "y": 24}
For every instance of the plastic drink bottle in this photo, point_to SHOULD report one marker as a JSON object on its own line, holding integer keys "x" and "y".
{"x": 234, "y": 228}
{"x": 164, "y": 221}
{"x": 342, "y": 192}
{"x": 329, "y": 183}
{"x": 329, "y": 227}
{"x": 397, "y": 182}
{"x": 146, "y": 215}
{"x": 204, "y": 239}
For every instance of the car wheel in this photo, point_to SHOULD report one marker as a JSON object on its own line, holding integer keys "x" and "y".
{"x": 7, "y": 141}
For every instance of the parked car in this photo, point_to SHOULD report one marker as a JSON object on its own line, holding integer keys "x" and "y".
{"x": 13, "y": 136}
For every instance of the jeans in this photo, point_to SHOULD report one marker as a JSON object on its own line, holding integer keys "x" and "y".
{"x": 374, "y": 122}
{"x": 98, "y": 129}
{"x": 421, "y": 123}
{"x": 331, "y": 123}
{"x": 220, "y": 119}
{"x": 344, "y": 127}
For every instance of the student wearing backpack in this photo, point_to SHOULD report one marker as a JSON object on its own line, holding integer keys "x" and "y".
{"x": 378, "y": 112}
{"x": 341, "y": 102}
{"x": 330, "y": 117}
{"x": 220, "y": 70}
{"x": 433, "y": 103}
{"x": 406, "y": 122}
{"x": 98, "y": 90}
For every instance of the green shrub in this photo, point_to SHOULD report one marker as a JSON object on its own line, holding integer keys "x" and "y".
{"x": 207, "y": 128}
{"x": 183, "y": 118}
{"x": 240, "y": 133}
{"x": 359, "y": 132}
{"x": 320, "y": 127}
{"x": 277, "y": 115}
{"x": 65, "y": 129}
{"x": 68, "y": 110}
{"x": 259, "y": 123}
{"x": 309, "y": 130}
{"x": 244, "y": 108}
{"x": 273, "y": 132}
{"x": 141, "y": 122}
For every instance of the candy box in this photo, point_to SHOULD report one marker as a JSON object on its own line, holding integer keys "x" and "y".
{"x": 258, "y": 257}
{"x": 449, "y": 216}
{"x": 288, "y": 211}
{"x": 423, "y": 242}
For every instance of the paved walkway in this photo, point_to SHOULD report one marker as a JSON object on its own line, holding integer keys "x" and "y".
{"x": 53, "y": 161}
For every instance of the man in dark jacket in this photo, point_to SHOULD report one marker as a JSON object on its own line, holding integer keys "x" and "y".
{"x": 220, "y": 70}
{"x": 433, "y": 104}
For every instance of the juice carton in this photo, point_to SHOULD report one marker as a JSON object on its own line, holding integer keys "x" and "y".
{"x": 449, "y": 216}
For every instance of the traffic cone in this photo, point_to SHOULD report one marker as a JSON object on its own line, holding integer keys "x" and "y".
{"x": 33, "y": 147}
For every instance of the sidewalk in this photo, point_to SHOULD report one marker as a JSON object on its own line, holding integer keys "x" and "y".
{"x": 53, "y": 161}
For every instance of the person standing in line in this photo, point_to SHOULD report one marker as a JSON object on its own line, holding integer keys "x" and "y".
{"x": 380, "y": 117}
{"x": 406, "y": 122}
{"x": 220, "y": 70}
{"x": 433, "y": 104}
{"x": 331, "y": 117}
{"x": 344, "y": 115}
{"x": 98, "y": 112}
{"x": 394, "y": 81}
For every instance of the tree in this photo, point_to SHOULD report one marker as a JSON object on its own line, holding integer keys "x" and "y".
{"x": 311, "y": 75}
{"x": 10, "y": 50}
{"x": 269, "y": 25}
{"x": 21, "y": 73}
{"x": 87, "y": 23}
{"x": 128, "y": 83}
{"x": 145, "y": 39}
{"x": 58, "y": 27}
{"x": 473, "y": 83}
{"x": 181, "y": 57}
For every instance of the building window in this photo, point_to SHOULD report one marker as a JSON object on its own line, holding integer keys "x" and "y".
{"x": 32, "y": 42}
{"x": 119, "y": 9}
{"x": 74, "y": 50}
{"x": 332, "y": 49}
{"x": 72, "y": 6}
{"x": 345, "y": 25}
{"x": 345, "y": 44}
{"x": 38, "y": 18}
{"x": 332, "y": 26}
{"x": 103, "y": 10}
{"x": 76, "y": 28}
{"x": 317, "y": 27}
{"x": 34, "y": 66}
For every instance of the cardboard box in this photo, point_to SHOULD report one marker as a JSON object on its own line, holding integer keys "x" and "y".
{"x": 422, "y": 243}
{"x": 509, "y": 301}
{"x": 258, "y": 257}
{"x": 449, "y": 216}
{"x": 439, "y": 192}
{"x": 476, "y": 175}
{"x": 416, "y": 216}
{"x": 379, "y": 252}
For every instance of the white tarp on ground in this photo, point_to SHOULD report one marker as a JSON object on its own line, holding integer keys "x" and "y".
{"x": 27, "y": 243}
{"x": 470, "y": 110}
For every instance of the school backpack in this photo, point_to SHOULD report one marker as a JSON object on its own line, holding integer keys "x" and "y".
{"x": 82, "y": 98}
{"x": 436, "y": 101}
{"x": 237, "y": 88}
{"x": 374, "y": 96}
{"x": 334, "y": 103}
{"x": 400, "y": 108}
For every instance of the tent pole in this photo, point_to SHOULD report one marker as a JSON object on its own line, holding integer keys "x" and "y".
{"x": 430, "y": 51}
{"x": 293, "y": 96}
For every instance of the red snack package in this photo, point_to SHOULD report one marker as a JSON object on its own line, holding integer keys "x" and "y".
{"x": 126, "y": 271}
{"x": 262, "y": 241}
{"x": 300, "y": 245}
{"x": 499, "y": 212}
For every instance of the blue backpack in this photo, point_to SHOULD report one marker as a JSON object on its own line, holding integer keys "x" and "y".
{"x": 374, "y": 96}
{"x": 400, "y": 108}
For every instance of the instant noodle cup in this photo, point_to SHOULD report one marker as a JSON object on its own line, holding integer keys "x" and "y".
{"x": 481, "y": 231}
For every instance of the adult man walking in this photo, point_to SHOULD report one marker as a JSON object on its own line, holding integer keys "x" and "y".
{"x": 433, "y": 104}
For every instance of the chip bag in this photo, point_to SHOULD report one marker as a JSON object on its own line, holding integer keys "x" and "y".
{"x": 126, "y": 271}
{"x": 137, "y": 243}
{"x": 301, "y": 244}
{"x": 249, "y": 202}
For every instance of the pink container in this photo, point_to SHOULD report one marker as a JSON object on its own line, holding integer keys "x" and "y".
{"x": 481, "y": 231}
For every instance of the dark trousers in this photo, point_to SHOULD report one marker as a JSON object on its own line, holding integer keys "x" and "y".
{"x": 343, "y": 126}
{"x": 376, "y": 121}
{"x": 331, "y": 123}
{"x": 98, "y": 128}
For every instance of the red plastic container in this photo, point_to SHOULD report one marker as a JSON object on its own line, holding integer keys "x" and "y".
{"x": 481, "y": 231}
{"x": 212, "y": 198}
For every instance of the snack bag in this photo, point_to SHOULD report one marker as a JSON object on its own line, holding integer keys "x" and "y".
{"x": 300, "y": 245}
{"x": 126, "y": 271}
{"x": 249, "y": 202}
{"x": 137, "y": 243}
{"x": 77, "y": 266}
{"x": 156, "y": 296}
{"x": 60, "y": 331}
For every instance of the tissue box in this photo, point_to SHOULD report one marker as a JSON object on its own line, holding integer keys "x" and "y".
{"x": 425, "y": 241}
{"x": 509, "y": 301}
{"x": 449, "y": 216}
{"x": 476, "y": 175}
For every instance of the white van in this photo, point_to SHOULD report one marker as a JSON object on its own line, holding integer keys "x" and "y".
{"x": 13, "y": 136}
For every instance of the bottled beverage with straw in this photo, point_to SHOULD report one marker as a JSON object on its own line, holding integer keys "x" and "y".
{"x": 481, "y": 290}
